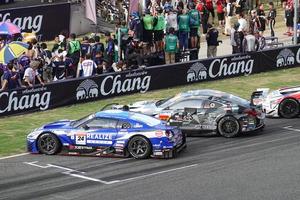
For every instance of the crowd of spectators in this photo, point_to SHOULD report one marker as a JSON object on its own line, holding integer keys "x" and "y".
{"x": 166, "y": 32}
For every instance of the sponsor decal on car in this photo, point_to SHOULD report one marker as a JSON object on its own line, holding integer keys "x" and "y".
{"x": 98, "y": 136}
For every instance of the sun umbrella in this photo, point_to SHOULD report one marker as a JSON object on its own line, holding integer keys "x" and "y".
{"x": 7, "y": 28}
{"x": 11, "y": 51}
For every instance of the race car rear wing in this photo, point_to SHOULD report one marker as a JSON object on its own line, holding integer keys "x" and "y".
{"x": 258, "y": 96}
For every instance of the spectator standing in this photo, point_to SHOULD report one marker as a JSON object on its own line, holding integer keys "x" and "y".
{"x": 135, "y": 26}
{"x": 87, "y": 67}
{"x": 183, "y": 30}
{"x": 254, "y": 22}
{"x": 98, "y": 59}
{"x": 271, "y": 18}
{"x": 210, "y": 8}
{"x": 243, "y": 25}
{"x": 171, "y": 46}
{"x": 159, "y": 27}
{"x": 97, "y": 47}
{"x": 238, "y": 6}
{"x": 85, "y": 47}
{"x": 46, "y": 55}
{"x": 10, "y": 78}
{"x": 110, "y": 49}
{"x": 262, "y": 19}
{"x": 234, "y": 39}
{"x": 148, "y": 21}
{"x": 221, "y": 13}
{"x": 228, "y": 17}
{"x": 171, "y": 20}
{"x": 204, "y": 13}
{"x": 60, "y": 67}
{"x": 123, "y": 39}
{"x": 31, "y": 74}
{"x": 289, "y": 15}
{"x": 212, "y": 41}
{"x": 73, "y": 51}
{"x": 194, "y": 17}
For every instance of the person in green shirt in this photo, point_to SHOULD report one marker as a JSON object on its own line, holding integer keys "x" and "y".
{"x": 194, "y": 25}
{"x": 122, "y": 37}
{"x": 183, "y": 30}
{"x": 171, "y": 46}
{"x": 159, "y": 27}
{"x": 148, "y": 21}
{"x": 73, "y": 49}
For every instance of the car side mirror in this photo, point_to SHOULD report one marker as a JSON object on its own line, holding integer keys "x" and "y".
{"x": 85, "y": 127}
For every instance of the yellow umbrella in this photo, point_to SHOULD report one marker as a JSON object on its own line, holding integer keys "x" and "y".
{"x": 11, "y": 51}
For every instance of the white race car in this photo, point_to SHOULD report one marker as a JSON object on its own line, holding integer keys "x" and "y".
{"x": 284, "y": 102}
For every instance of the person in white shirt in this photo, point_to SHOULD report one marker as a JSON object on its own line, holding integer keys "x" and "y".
{"x": 31, "y": 73}
{"x": 87, "y": 67}
{"x": 242, "y": 22}
{"x": 243, "y": 26}
{"x": 171, "y": 20}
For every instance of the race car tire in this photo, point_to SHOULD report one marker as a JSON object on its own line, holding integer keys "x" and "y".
{"x": 289, "y": 108}
{"x": 139, "y": 147}
{"x": 48, "y": 144}
{"x": 228, "y": 127}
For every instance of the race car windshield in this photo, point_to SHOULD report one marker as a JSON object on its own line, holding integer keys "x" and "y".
{"x": 162, "y": 101}
{"x": 80, "y": 121}
{"x": 237, "y": 100}
{"x": 150, "y": 121}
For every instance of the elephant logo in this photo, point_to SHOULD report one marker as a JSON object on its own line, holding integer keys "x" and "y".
{"x": 93, "y": 92}
{"x": 290, "y": 60}
{"x": 196, "y": 73}
{"x": 86, "y": 90}
{"x": 285, "y": 58}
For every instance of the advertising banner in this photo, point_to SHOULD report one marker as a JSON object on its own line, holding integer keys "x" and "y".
{"x": 81, "y": 90}
{"x": 47, "y": 20}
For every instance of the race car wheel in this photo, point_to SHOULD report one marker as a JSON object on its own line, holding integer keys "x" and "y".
{"x": 48, "y": 144}
{"x": 139, "y": 147}
{"x": 289, "y": 108}
{"x": 228, "y": 127}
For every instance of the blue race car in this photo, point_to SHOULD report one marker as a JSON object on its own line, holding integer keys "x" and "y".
{"x": 110, "y": 132}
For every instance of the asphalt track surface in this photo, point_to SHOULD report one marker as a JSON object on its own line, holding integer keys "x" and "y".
{"x": 264, "y": 165}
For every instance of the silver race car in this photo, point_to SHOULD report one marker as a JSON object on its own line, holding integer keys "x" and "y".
{"x": 204, "y": 111}
{"x": 284, "y": 102}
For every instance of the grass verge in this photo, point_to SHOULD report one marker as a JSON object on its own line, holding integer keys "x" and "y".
{"x": 13, "y": 130}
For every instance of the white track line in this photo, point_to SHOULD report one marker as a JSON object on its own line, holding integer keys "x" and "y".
{"x": 13, "y": 156}
{"x": 155, "y": 173}
{"x": 69, "y": 172}
{"x": 290, "y": 128}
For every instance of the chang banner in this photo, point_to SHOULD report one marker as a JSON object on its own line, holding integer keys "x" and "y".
{"x": 81, "y": 90}
{"x": 47, "y": 20}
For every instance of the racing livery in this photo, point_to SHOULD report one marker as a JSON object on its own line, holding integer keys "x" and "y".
{"x": 284, "y": 102}
{"x": 110, "y": 132}
{"x": 205, "y": 111}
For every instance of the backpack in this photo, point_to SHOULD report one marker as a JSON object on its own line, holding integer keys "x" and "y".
{"x": 194, "y": 18}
